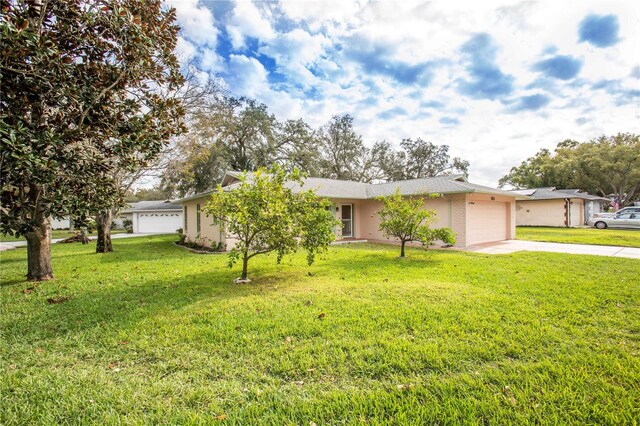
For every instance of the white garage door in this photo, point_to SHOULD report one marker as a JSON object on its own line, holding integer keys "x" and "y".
{"x": 486, "y": 222}
{"x": 159, "y": 223}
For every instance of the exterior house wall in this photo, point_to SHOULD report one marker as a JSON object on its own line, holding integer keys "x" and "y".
{"x": 549, "y": 213}
{"x": 540, "y": 213}
{"x": 120, "y": 218}
{"x": 591, "y": 208}
{"x": 209, "y": 234}
{"x": 451, "y": 211}
{"x": 63, "y": 223}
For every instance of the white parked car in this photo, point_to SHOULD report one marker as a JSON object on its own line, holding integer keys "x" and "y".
{"x": 627, "y": 219}
{"x": 632, "y": 209}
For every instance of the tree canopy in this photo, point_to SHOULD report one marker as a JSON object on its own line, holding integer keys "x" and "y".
{"x": 420, "y": 159}
{"x": 240, "y": 134}
{"x": 607, "y": 166}
{"x": 264, "y": 215}
{"x": 82, "y": 87}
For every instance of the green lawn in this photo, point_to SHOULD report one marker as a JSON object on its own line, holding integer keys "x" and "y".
{"x": 57, "y": 233}
{"x": 153, "y": 334}
{"x": 605, "y": 237}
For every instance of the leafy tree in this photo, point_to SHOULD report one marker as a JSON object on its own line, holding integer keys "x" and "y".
{"x": 296, "y": 146}
{"x": 237, "y": 134}
{"x": 406, "y": 219}
{"x": 536, "y": 172}
{"x": 608, "y": 165}
{"x": 342, "y": 152}
{"x": 80, "y": 97}
{"x": 192, "y": 94}
{"x": 146, "y": 194}
{"x": 265, "y": 215}
{"x": 419, "y": 159}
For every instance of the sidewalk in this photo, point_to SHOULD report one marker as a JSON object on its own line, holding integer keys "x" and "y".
{"x": 512, "y": 246}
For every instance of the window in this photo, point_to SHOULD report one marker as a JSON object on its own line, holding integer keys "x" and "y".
{"x": 184, "y": 215}
{"x": 198, "y": 218}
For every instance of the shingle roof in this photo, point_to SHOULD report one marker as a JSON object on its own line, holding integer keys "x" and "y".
{"x": 345, "y": 189}
{"x": 550, "y": 193}
{"x": 152, "y": 206}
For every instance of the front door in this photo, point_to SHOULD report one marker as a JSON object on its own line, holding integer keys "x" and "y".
{"x": 346, "y": 215}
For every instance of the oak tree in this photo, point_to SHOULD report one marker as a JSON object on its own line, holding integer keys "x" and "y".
{"x": 421, "y": 159}
{"x": 607, "y": 166}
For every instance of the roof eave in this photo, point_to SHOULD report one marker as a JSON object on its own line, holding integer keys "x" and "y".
{"x": 193, "y": 197}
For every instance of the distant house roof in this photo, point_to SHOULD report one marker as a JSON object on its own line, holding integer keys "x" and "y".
{"x": 551, "y": 193}
{"x": 157, "y": 205}
{"x": 346, "y": 189}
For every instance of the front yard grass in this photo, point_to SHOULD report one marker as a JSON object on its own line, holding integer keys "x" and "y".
{"x": 57, "y": 233}
{"x": 593, "y": 236}
{"x": 153, "y": 334}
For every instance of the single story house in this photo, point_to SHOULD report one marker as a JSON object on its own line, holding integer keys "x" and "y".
{"x": 61, "y": 223}
{"x": 477, "y": 214}
{"x": 154, "y": 217}
{"x": 556, "y": 207}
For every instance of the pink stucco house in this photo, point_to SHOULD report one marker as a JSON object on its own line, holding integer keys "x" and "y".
{"x": 477, "y": 214}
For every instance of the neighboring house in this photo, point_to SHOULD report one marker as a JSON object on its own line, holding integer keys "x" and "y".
{"x": 477, "y": 214}
{"x": 556, "y": 207}
{"x": 62, "y": 223}
{"x": 119, "y": 219}
{"x": 154, "y": 217}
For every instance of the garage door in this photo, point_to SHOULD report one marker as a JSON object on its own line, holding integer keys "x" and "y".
{"x": 159, "y": 223}
{"x": 486, "y": 222}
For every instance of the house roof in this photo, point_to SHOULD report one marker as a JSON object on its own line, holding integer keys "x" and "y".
{"x": 156, "y": 205}
{"x": 551, "y": 193}
{"x": 345, "y": 189}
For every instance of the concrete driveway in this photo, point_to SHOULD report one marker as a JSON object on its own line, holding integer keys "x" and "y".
{"x": 8, "y": 245}
{"x": 512, "y": 246}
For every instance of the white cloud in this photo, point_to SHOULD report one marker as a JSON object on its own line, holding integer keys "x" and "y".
{"x": 210, "y": 61}
{"x": 248, "y": 21}
{"x": 249, "y": 76}
{"x": 295, "y": 51}
{"x": 196, "y": 21}
{"x": 391, "y": 37}
{"x": 185, "y": 50}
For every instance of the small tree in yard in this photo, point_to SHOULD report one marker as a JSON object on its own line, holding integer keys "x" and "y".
{"x": 265, "y": 215}
{"x": 406, "y": 219}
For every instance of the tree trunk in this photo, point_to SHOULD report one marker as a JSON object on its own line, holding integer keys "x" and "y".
{"x": 402, "y": 248}
{"x": 103, "y": 224}
{"x": 39, "y": 252}
{"x": 245, "y": 265}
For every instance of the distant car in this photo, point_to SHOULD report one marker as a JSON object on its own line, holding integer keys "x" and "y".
{"x": 633, "y": 209}
{"x": 627, "y": 219}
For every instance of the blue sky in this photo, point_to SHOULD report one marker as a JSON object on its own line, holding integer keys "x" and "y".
{"x": 494, "y": 81}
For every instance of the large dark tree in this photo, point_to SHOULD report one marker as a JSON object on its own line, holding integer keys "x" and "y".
{"x": 419, "y": 159}
{"x": 81, "y": 83}
{"x": 228, "y": 133}
{"x": 537, "y": 172}
{"x": 343, "y": 154}
{"x": 608, "y": 165}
